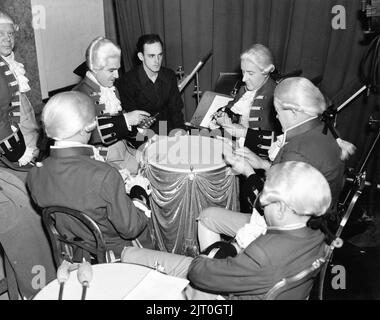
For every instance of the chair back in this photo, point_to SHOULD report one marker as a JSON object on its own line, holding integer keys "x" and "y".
{"x": 284, "y": 288}
{"x": 67, "y": 248}
{"x": 287, "y": 287}
{"x": 346, "y": 208}
{"x": 8, "y": 284}
{"x": 228, "y": 83}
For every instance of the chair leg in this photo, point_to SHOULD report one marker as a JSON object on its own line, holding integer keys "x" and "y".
{"x": 322, "y": 276}
{"x": 3, "y": 286}
{"x": 10, "y": 279}
{"x": 136, "y": 243}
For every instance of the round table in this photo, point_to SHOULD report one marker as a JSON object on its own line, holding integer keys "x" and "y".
{"x": 187, "y": 175}
{"x": 116, "y": 281}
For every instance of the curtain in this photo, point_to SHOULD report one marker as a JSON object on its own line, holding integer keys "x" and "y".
{"x": 110, "y": 20}
{"x": 298, "y": 32}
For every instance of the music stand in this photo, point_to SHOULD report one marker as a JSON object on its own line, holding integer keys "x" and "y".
{"x": 208, "y": 105}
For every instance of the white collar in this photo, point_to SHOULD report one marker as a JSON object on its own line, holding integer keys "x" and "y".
{"x": 68, "y": 144}
{"x": 283, "y": 142}
{"x": 62, "y": 144}
{"x": 293, "y": 226}
{"x": 300, "y": 124}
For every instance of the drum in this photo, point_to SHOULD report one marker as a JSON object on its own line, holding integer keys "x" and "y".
{"x": 186, "y": 154}
{"x": 187, "y": 174}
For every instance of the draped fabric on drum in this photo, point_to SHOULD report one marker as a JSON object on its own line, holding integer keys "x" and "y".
{"x": 178, "y": 198}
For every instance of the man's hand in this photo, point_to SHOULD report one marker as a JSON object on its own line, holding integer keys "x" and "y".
{"x": 136, "y": 117}
{"x": 27, "y": 157}
{"x": 254, "y": 160}
{"x": 238, "y": 164}
{"x": 250, "y": 231}
{"x": 222, "y": 118}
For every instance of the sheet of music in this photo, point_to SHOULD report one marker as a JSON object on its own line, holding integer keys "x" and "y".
{"x": 218, "y": 102}
{"x": 156, "y": 284}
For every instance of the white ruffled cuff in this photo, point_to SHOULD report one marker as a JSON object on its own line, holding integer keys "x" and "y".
{"x": 131, "y": 181}
{"x": 27, "y": 156}
{"x": 252, "y": 230}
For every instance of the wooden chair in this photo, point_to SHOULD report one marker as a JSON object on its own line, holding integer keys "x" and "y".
{"x": 291, "y": 283}
{"x": 345, "y": 209}
{"x": 75, "y": 248}
{"x": 310, "y": 273}
{"x": 9, "y": 283}
{"x": 65, "y": 248}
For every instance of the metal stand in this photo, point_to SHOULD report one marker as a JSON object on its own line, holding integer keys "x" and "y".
{"x": 184, "y": 80}
{"x": 197, "y": 91}
{"x": 359, "y": 178}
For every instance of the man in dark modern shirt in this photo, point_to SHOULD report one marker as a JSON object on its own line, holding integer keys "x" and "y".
{"x": 151, "y": 87}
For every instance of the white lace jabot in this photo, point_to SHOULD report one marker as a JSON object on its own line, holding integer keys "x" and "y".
{"x": 242, "y": 106}
{"x": 18, "y": 71}
{"x": 107, "y": 96}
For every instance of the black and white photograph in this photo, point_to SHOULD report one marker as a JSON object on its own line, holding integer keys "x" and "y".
{"x": 189, "y": 154}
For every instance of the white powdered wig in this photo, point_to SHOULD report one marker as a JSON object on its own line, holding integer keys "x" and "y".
{"x": 66, "y": 114}
{"x": 299, "y": 185}
{"x": 6, "y": 19}
{"x": 99, "y": 50}
{"x": 261, "y": 56}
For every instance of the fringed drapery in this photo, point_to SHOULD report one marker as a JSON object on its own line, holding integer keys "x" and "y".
{"x": 178, "y": 198}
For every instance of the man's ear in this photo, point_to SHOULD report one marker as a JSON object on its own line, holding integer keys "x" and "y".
{"x": 140, "y": 56}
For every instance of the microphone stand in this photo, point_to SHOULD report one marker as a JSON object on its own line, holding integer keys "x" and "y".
{"x": 345, "y": 103}
{"x": 358, "y": 176}
{"x": 185, "y": 80}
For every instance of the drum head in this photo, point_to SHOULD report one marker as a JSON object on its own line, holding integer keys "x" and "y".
{"x": 186, "y": 154}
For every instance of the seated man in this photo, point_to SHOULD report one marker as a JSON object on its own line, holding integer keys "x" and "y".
{"x": 298, "y": 104}
{"x": 115, "y": 127}
{"x": 293, "y": 192}
{"x": 18, "y": 126}
{"x": 151, "y": 87}
{"x": 253, "y": 117}
{"x": 26, "y": 247}
{"x": 72, "y": 176}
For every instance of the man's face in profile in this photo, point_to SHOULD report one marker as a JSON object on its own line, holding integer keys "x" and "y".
{"x": 107, "y": 76}
{"x": 7, "y": 38}
{"x": 151, "y": 58}
{"x": 252, "y": 75}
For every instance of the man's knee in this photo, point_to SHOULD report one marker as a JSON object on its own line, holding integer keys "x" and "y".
{"x": 208, "y": 215}
{"x": 131, "y": 254}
